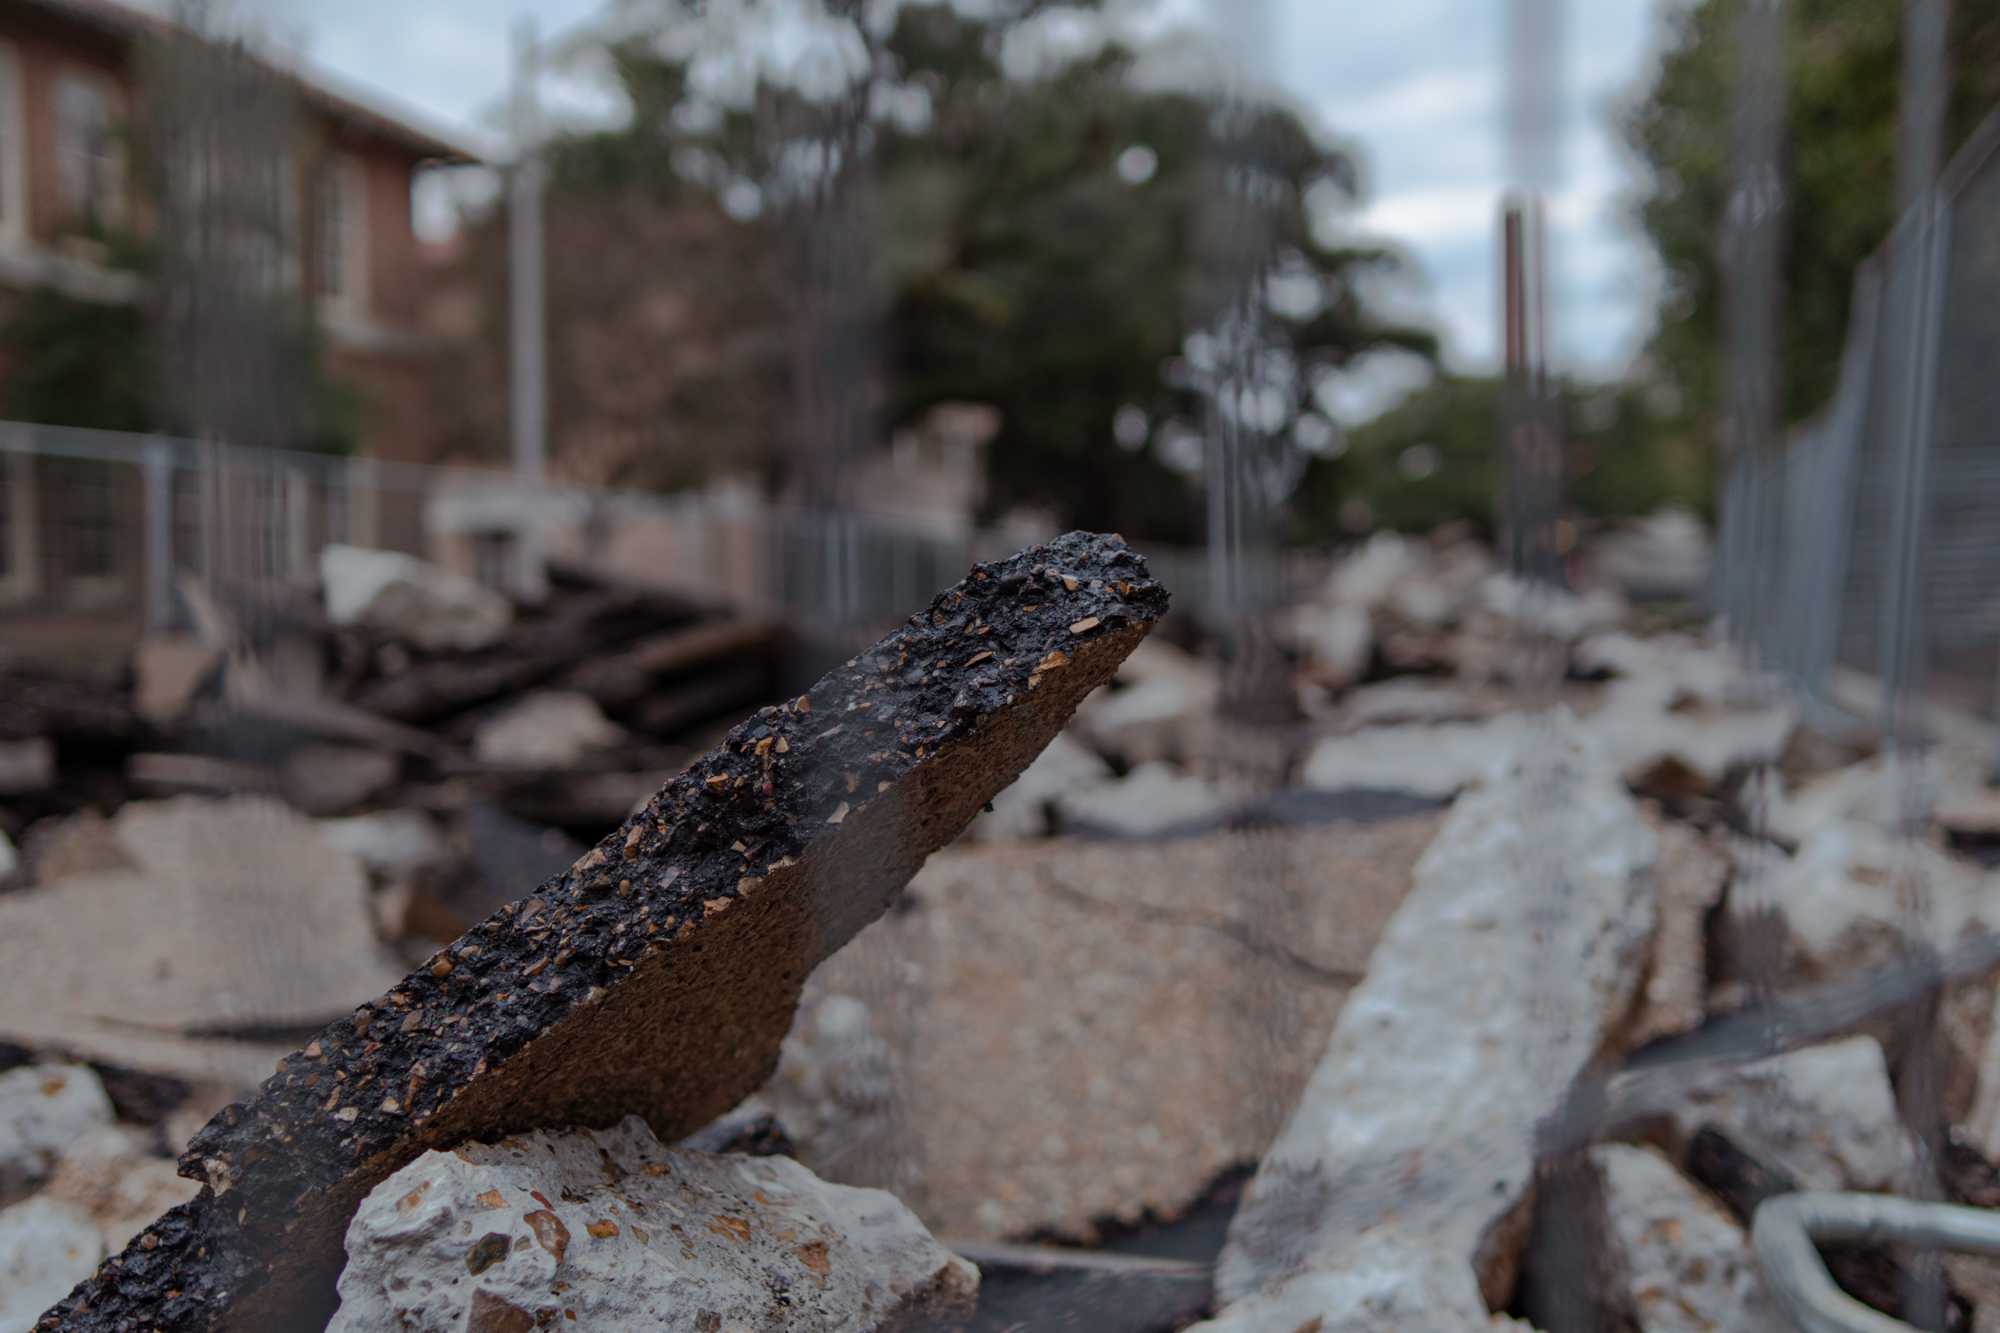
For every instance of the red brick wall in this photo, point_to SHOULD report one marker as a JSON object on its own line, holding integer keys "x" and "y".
{"x": 44, "y": 53}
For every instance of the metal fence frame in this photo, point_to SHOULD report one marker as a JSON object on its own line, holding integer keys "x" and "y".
{"x": 1864, "y": 542}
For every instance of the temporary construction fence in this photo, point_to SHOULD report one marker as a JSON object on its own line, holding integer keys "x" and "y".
{"x": 1869, "y": 541}
{"x": 102, "y": 526}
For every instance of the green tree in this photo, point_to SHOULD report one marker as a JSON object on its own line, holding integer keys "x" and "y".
{"x": 1432, "y": 458}
{"x": 1042, "y": 245}
{"x": 1838, "y": 165}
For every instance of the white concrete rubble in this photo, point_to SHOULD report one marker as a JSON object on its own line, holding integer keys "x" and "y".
{"x": 1666, "y": 554}
{"x": 1161, "y": 692}
{"x": 1396, "y": 1196}
{"x": 43, "y": 1110}
{"x": 834, "y": 1080}
{"x": 611, "y": 1229}
{"x": 1428, "y": 760}
{"x": 1826, "y": 1115}
{"x": 1408, "y": 700}
{"x": 410, "y": 600}
{"x": 330, "y": 779}
{"x": 1656, "y": 737}
{"x": 1679, "y": 1261}
{"x": 1150, "y": 798}
{"x": 1555, "y": 612}
{"x": 110, "y": 1177}
{"x": 547, "y": 729}
{"x": 1368, "y": 576}
{"x": 46, "y": 1248}
{"x": 1842, "y": 904}
{"x": 1021, "y": 810}
{"x": 238, "y": 914}
{"x": 1337, "y": 642}
{"x": 389, "y": 840}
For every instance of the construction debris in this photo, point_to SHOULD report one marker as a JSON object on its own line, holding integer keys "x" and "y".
{"x": 405, "y": 599}
{"x": 1012, "y": 1080}
{"x": 659, "y": 973}
{"x": 1395, "y": 1196}
{"x": 214, "y": 972}
{"x": 1678, "y": 1260}
{"x": 45, "y": 1248}
{"x": 611, "y": 1229}
{"x": 44, "y": 1109}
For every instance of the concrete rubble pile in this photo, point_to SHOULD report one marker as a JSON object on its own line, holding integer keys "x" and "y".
{"x": 1395, "y": 1007}
{"x": 655, "y": 977}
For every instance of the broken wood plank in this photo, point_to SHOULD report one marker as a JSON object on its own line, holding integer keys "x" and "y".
{"x": 658, "y": 974}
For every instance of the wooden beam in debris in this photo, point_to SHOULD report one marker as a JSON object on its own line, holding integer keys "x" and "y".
{"x": 659, "y": 973}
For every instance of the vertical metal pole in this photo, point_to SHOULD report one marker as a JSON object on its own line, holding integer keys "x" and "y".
{"x": 527, "y": 318}
{"x": 1919, "y": 151}
{"x": 159, "y": 466}
{"x": 1753, "y": 235}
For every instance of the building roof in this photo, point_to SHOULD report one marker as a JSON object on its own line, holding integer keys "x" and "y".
{"x": 360, "y": 112}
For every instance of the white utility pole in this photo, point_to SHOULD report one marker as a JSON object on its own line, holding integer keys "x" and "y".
{"x": 527, "y": 319}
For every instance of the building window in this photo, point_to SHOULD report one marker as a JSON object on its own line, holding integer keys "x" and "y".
{"x": 90, "y": 157}
{"x": 341, "y": 267}
{"x": 13, "y": 149}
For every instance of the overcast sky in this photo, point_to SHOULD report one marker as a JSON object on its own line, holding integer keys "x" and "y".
{"x": 1417, "y": 85}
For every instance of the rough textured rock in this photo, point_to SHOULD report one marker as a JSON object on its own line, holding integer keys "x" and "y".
{"x": 1662, "y": 738}
{"x": 1681, "y": 1263}
{"x": 659, "y": 973}
{"x": 1408, "y": 700}
{"x": 10, "y": 860}
{"x": 44, "y": 1109}
{"x": 611, "y": 1229}
{"x": 1842, "y": 902}
{"x": 186, "y": 963}
{"x": 404, "y": 598}
{"x": 1367, "y": 577}
{"x": 1337, "y": 642}
{"x": 548, "y": 729}
{"x": 1022, "y": 810}
{"x": 1430, "y": 761}
{"x": 1664, "y": 555}
{"x": 388, "y": 841}
{"x": 1395, "y": 1196}
{"x": 45, "y": 1248}
{"x": 1160, "y": 694}
{"x": 109, "y": 1176}
{"x": 1054, "y": 1036}
{"x": 1149, "y": 799}
{"x": 1825, "y": 1115}
{"x": 82, "y": 844}
{"x": 333, "y": 779}
{"x": 1692, "y": 877}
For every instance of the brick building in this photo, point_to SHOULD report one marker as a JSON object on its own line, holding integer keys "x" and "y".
{"x": 74, "y": 101}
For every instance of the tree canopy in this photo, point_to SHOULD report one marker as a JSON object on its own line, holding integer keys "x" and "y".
{"x": 1044, "y": 242}
{"x": 1838, "y": 164}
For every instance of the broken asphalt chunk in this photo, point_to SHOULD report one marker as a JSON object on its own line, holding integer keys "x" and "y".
{"x": 658, "y": 974}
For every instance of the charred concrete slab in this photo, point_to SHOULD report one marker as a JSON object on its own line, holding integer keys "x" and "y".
{"x": 656, "y": 976}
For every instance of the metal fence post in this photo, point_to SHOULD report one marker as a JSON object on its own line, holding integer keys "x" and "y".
{"x": 159, "y": 536}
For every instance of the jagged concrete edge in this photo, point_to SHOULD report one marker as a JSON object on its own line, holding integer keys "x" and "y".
{"x": 1065, "y": 612}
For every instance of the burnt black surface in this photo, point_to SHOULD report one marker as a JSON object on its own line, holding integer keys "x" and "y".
{"x": 756, "y": 800}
